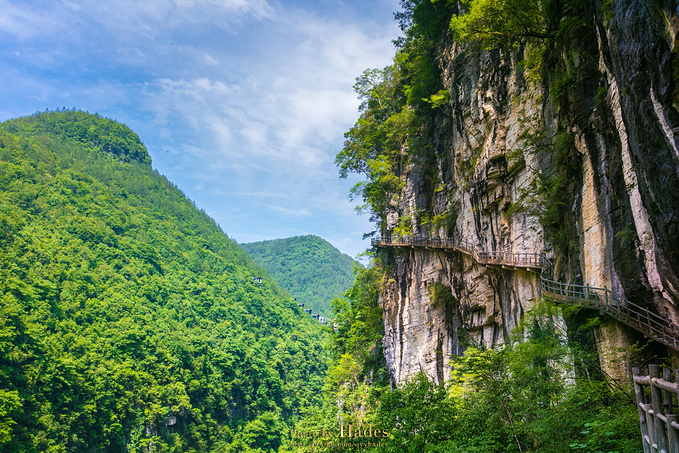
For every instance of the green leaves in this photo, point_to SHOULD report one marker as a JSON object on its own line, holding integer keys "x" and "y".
{"x": 418, "y": 415}
{"x": 398, "y": 107}
{"x": 501, "y": 22}
{"x": 308, "y": 267}
{"x": 377, "y": 91}
{"x": 126, "y": 315}
{"x": 375, "y": 146}
{"x": 516, "y": 399}
{"x": 10, "y": 403}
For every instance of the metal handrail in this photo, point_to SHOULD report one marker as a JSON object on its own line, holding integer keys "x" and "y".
{"x": 618, "y": 307}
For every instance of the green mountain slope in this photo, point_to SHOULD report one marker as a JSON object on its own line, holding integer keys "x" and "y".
{"x": 308, "y": 267}
{"x": 128, "y": 320}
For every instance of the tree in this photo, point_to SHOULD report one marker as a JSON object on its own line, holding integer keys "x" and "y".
{"x": 502, "y": 22}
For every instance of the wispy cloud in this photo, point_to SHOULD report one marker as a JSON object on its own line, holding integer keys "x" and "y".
{"x": 292, "y": 115}
{"x": 25, "y": 21}
{"x": 153, "y": 17}
{"x": 293, "y": 212}
{"x": 236, "y": 99}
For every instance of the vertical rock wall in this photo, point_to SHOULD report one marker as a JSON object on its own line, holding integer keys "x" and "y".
{"x": 623, "y": 233}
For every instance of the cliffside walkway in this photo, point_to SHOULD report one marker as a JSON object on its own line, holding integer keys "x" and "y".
{"x": 606, "y": 301}
{"x": 529, "y": 261}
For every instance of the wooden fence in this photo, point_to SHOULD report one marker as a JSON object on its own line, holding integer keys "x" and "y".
{"x": 652, "y": 325}
{"x": 616, "y": 306}
{"x": 657, "y": 402}
{"x": 528, "y": 261}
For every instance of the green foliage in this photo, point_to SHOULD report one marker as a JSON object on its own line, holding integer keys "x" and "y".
{"x": 601, "y": 94}
{"x": 557, "y": 188}
{"x": 128, "y": 320}
{"x": 404, "y": 227}
{"x": 359, "y": 320}
{"x": 525, "y": 397}
{"x": 308, "y": 267}
{"x": 373, "y": 147}
{"x": 417, "y": 416}
{"x": 439, "y": 99}
{"x": 100, "y": 133}
{"x": 522, "y": 398}
{"x": 518, "y": 399}
{"x": 550, "y": 194}
{"x": 357, "y": 376}
{"x": 440, "y": 295}
{"x": 502, "y": 22}
{"x": 416, "y": 58}
{"x": 625, "y": 237}
{"x": 562, "y": 81}
{"x": 446, "y": 220}
{"x": 398, "y": 106}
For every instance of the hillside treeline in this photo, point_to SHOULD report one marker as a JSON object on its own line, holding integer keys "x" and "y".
{"x": 128, "y": 320}
{"x": 308, "y": 267}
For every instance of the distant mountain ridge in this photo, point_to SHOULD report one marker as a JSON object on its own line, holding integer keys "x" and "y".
{"x": 310, "y": 268}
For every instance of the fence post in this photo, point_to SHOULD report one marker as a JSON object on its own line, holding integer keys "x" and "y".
{"x": 656, "y": 401}
{"x": 643, "y": 416}
{"x": 606, "y": 295}
{"x": 673, "y": 440}
{"x": 667, "y": 396}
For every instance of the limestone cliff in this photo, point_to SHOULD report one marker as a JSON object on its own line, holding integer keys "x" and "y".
{"x": 578, "y": 158}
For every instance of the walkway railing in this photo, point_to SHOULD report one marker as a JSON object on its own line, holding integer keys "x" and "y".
{"x": 635, "y": 316}
{"x": 531, "y": 261}
{"x": 639, "y": 318}
{"x": 656, "y": 407}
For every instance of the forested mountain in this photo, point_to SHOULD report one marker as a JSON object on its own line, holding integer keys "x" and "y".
{"x": 128, "y": 320}
{"x": 309, "y": 267}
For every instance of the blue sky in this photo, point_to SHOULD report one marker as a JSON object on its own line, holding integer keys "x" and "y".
{"x": 241, "y": 103}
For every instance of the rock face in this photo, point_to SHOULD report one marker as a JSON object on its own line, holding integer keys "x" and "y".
{"x": 596, "y": 144}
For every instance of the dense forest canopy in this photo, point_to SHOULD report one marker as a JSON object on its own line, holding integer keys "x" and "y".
{"x": 308, "y": 267}
{"x": 128, "y": 320}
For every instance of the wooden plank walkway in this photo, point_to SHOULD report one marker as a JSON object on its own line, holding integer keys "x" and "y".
{"x": 534, "y": 262}
{"x": 606, "y": 301}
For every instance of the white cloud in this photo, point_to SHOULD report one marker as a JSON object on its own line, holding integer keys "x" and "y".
{"x": 25, "y": 21}
{"x": 209, "y": 59}
{"x": 293, "y": 212}
{"x": 192, "y": 102}
{"x": 150, "y": 16}
{"x": 125, "y": 32}
{"x": 292, "y": 115}
{"x": 241, "y": 101}
{"x": 256, "y": 194}
{"x": 255, "y": 133}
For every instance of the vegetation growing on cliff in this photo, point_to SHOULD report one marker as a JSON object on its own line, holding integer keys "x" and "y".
{"x": 128, "y": 320}
{"x": 519, "y": 399}
{"x": 499, "y": 23}
{"x": 398, "y": 107}
{"x": 357, "y": 375}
